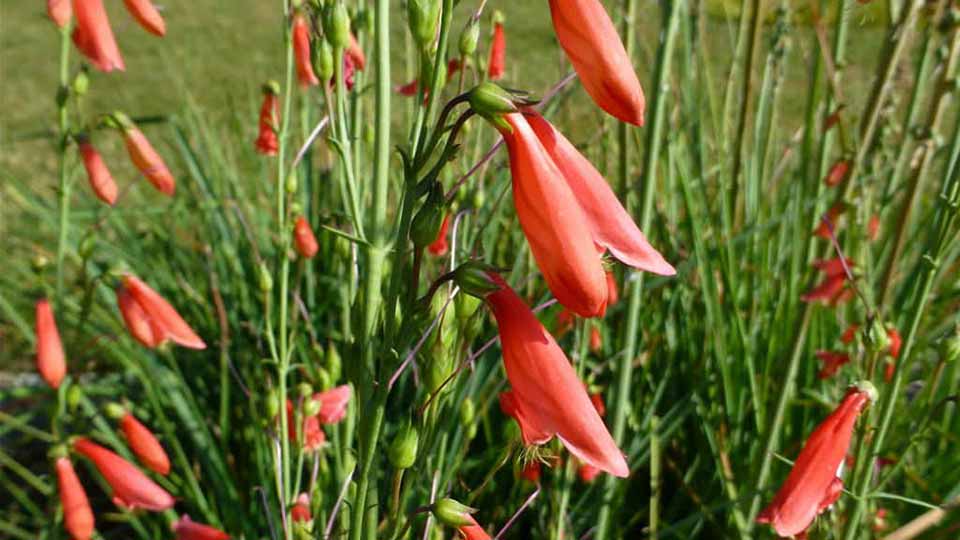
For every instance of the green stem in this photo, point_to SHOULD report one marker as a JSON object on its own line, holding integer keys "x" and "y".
{"x": 64, "y": 133}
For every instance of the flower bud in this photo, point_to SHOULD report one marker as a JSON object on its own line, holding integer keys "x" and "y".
{"x": 452, "y": 513}
{"x": 74, "y": 394}
{"x": 324, "y": 381}
{"x": 876, "y": 337}
{"x": 423, "y": 17}
{"x": 473, "y": 278}
{"x": 334, "y": 365}
{"x": 323, "y": 60}
{"x": 81, "y": 83}
{"x": 273, "y": 404}
{"x": 426, "y": 224}
{"x": 304, "y": 390}
{"x": 403, "y": 450}
{"x": 336, "y": 24}
{"x": 469, "y": 38}
{"x": 87, "y": 245}
{"x": 114, "y": 411}
{"x": 291, "y": 184}
{"x": 468, "y": 413}
{"x": 311, "y": 407}
{"x": 266, "y": 280}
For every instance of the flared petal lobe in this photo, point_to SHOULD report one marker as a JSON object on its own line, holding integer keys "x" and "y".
{"x": 131, "y": 488}
{"x": 612, "y": 227}
{"x": 547, "y": 395}
{"x": 77, "y": 515}
{"x": 145, "y": 445}
{"x": 101, "y": 181}
{"x": 94, "y": 37}
{"x": 162, "y": 315}
{"x": 148, "y": 161}
{"x": 147, "y": 16}
{"x": 813, "y": 485}
{"x": 593, "y": 46}
{"x": 51, "y": 360}
{"x": 558, "y": 231}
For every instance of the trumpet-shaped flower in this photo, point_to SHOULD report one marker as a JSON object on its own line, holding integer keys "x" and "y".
{"x": 51, "y": 361}
{"x": 77, "y": 515}
{"x": 144, "y": 445}
{"x": 303, "y": 239}
{"x": 301, "y": 51}
{"x": 498, "y": 53}
{"x": 94, "y": 37}
{"x": 150, "y": 319}
{"x": 148, "y": 161}
{"x": 101, "y": 181}
{"x": 131, "y": 488}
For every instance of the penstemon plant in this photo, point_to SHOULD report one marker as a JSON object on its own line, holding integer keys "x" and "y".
{"x": 413, "y": 298}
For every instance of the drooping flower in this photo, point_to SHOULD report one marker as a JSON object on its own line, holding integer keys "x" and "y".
{"x": 832, "y": 362}
{"x": 596, "y": 340}
{"x": 300, "y": 34}
{"x": 60, "y": 12}
{"x": 51, "y": 361}
{"x": 101, "y": 181}
{"x": 311, "y": 432}
{"x": 838, "y": 171}
{"x": 131, "y": 488}
{"x": 147, "y": 16}
{"x": 146, "y": 159}
{"x": 813, "y": 485}
{"x": 300, "y": 513}
{"x": 440, "y": 246}
{"x": 547, "y": 397}
{"x": 77, "y": 515}
{"x": 832, "y": 216}
{"x": 144, "y": 445}
{"x": 187, "y": 529}
{"x": 613, "y": 294}
{"x": 333, "y": 404}
{"x": 849, "y": 334}
{"x": 267, "y": 143}
{"x": 94, "y": 37}
{"x": 355, "y": 52}
{"x": 498, "y": 52}
{"x": 303, "y": 239}
{"x": 150, "y": 319}
{"x": 832, "y": 290}
{"x": 409, "y": 89}
{"x": 593, "y": 46}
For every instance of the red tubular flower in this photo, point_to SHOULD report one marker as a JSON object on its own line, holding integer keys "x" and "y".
{"x": 409, "y": 89}
{"x": 187, "y": 529}
{"x": 355, "y": 52}
{"x": 131, "y": 488}
{"x": 150, "y": 319}
{"x": 101, "y": 181}
{"x": 849, "y": 334}
{"x": 439, "y": 247}
{"x": 145, "y": 445}
{"x": 593, "y": 46}
{"x": 547, "y": 397}
{"x": 300, "y": 513}
{"x": 832, "y": 362}
{"x": 833, "y": 267}
{"x": 77, "y": 516}
{"x": 498, "y": 53}
{"x": 813, "y": 484}
{"x": 596, "y": 340}
{"x": 832, "y": 289}
{"x": 837, "y": 173}
{"x": 613, "y": 294}
{"x": 587, "y": 473}
{"x": 51, "y": 361}
{"x": 303, "y": 239}
{"x": 333, "y": 404}
{"x": 147, "y": 16}
{"x": 59, "y": 12}
{"x": 895, "y": 342}
{"x": 312, "y": 433}
{"x": 148, "y": 161}
{"x": 301, "y": 52}
{"x": 94, "y": 37}
{"x": 833, "y": 216}
{"x": 873, "y": 227}
{"x": 531, "y": 472}
{"x": 266, "y": 142}
{"x": 472, "y": 530}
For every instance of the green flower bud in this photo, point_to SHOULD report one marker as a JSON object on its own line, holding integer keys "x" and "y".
{"x": 465, "y": 306}
{"x": 266, "y": 280}
{"x": 469, "y": 38}
{"x": 323, "y": 60}
{"x": 273, "y": 404}
{"x": 423, "y": 16}
{"x": 39, "y": 263}
{"x": 427, "y": 222}
{"x": 304, "y": 390}
{"x": 114, "y": 411}
{"x": 403, "y": 450}
{"x": 876, "y": 337}
{"x": 452, "y": 513}
{"x": 336, "y": 25}
{"x": 291, "y": 184}
{"x": 473, "y": 278}
{"x": 81, "y": 83}
{"x": 74, "y": 394}
{"x": 334, "y": 365}
{"x": 323, "y": 379}
{"x": 58, "y": 451}
{"x": 311, "y": 407}
{"x": 468, "y": 411}
{"x": 87, "y": 245}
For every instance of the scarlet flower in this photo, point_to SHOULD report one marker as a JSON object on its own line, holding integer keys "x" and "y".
{"x": 837, "y": 173}
{"x": 147, "y": 16}
{"x": 890, "y": 366}
{"x": 832, "y": 362}
{"x": 613, "y": 294}
{"x": 593, "y": 46}
{"x": 300, "y": 513}
{"x": 131, "y": 488}
{"x": 51, "y": 361}
{"x": 873, "y": 227}
{"x": 77, "y": 515}
{"x": 101, "y": 181}
{"x": 813, "y": 484}
{"x": 333, "y": 404}
{"x": 472, "y": 530}
{"x": 144, "y": 445}
{"x": 187, "y": 529}
{"x": 569, "y": 224}
{"x": 303, "y": 239}
{"x": 266, "y": 142}
{"x": 150, "y": 319}
{"x": 148, "y": 161}
{"x": 547, "y": 397}
{"x": 834, "y": 266}
{"x": 312, "y": 433}
{"x": 439, "y": 247}
{"x": 587, "y": 473}
{"x": 59, "y": 12}
{"x": 498, "y": 53}
{"x": 409, "y": 89}
{"x": 531, "y": 472}
{"x": 832, "y": 289}
{"x": 301, "y": 51}
{"x": 94, "y": 37}
{"x": 832, "y": 215}
{"x": 849, "y": 333}
{"x": 596, "y": 340}
{"x": 355, "y": 52}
